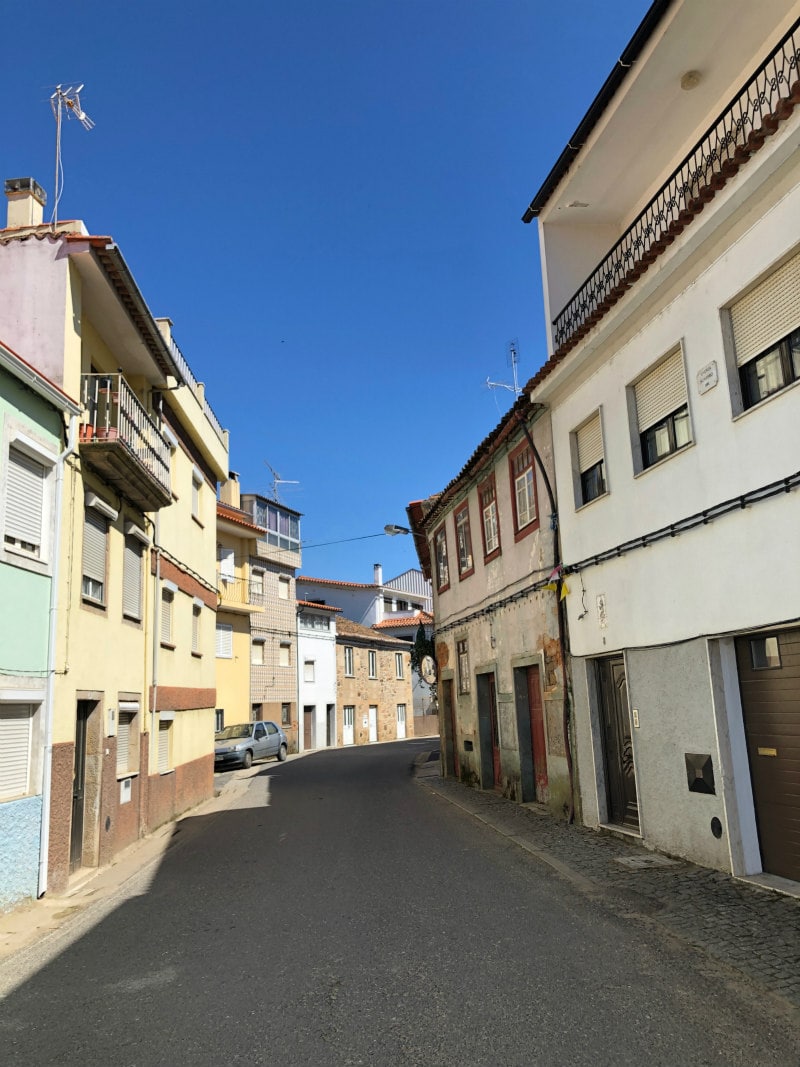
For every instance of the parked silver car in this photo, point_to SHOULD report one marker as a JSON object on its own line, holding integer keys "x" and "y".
{"x": 246, "y": 741}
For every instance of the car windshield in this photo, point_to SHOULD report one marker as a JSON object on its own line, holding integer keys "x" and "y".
{"x": 230, "y": 732}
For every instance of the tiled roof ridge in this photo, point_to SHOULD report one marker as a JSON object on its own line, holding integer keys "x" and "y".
{"x": 241, "y": 518}
{"x": 321, "y": 607}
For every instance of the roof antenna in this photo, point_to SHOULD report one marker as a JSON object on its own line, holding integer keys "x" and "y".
{"x": 276, "y": 481}
{"x": 70, "y": 99}
{"x": 513, "y": 359}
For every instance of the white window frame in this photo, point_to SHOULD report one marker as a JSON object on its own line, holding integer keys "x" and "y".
{"x": 167, "y": 620}
{"x": 164, "y": 746}
{"x": 309, "y": 670}
{"x": 372, "y": 664}
{"x": 284, "y": 587}
{"x": 284, "y": 654}
{"x": 399, "y": 672}
{"x": 227, "y": 563}
{"x": 257, "y": 652}
{"x": 19, "y": 742}
{"x": 128, "y": 713}
{"x": 41, "y": 557}
{"x": 256, "y": 581}
{"x": 95, "y": 593}
{"x": 349, "y": 662}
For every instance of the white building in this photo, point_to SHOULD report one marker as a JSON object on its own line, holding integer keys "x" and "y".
{"x": 670, "y": 242}
{"x": 316, "y": 668}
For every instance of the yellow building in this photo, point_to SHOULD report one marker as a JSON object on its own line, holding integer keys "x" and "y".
{"x": 241, "y": 586}
{"x": 134, "y": 683}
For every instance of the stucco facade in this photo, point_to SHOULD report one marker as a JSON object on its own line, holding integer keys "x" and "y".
{"x": 316, "y": 674}
{"x": 690, "y": 474}
{"x": 374, "y": 692}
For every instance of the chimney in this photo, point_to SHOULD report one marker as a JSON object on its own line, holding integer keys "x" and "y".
{"x": 378, "y": 569}
{"x": 26, "y": 200}
{"x": 229, "y": 492}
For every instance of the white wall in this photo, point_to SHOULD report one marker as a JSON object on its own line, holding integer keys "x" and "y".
{"x": 319, "y": 646}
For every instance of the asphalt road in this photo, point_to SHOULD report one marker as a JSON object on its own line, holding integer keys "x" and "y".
{"x": 340, "y": 914}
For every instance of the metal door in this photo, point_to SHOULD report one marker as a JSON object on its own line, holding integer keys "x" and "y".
{"x": 622, "y": 802}
{"x": 373, "y": 722}
{"x": 769, "y": 680}
{"x": 84, "y": 710}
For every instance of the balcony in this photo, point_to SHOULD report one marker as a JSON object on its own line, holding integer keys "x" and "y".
{"x": 766, "y": 100}
{"x": 240, "y": 595}
{"x": 122, "y": 443}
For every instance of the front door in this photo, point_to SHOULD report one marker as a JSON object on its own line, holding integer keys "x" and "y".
{"x": 769, "y": 681}
{"x": 401, "y": 721}
{"x": 348, "y": 724}
{"x": 373, "y": 722}
{"x": 622, "y": 803}
{"x": 308, "y": 727}
{"x": 85, "y": 708}
{"x": 538, "y": 747}
{"x": 489, "y": 732}
{"x": 450, "y": 734}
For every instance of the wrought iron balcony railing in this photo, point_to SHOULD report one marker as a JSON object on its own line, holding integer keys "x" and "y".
{"x": 767, "y": 99}
{"x": 123, "y": 443}
{"x": 240, "y": 591}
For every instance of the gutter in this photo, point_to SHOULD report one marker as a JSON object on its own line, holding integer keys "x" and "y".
{"x": 633, "y": 50}
{"x": 47, "y": 761}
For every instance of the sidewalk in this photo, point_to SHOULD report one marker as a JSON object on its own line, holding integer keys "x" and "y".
{"x": 755, "y": 931}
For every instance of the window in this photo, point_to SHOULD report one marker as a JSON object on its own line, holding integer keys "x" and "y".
{"x": 224, "y": 642}
{"x": 315, "y": 622}
{"x": 196, "y": 617}
{"x": 284, "y": 655}
{"x": 286, "y": 717}
{"x": 308, "y": 670}
{"x": 398, "y": 665}
{"x": 402, "y": 605}
{"x": 490, "y": 525}
{"x": 466, "y": 564}
{"x": 257, "y": 583}
{"x": 95, "y": 550}
{"x": 283, "y": 527}
{"x": 219, "y": 720}
{"x": 164, "y": 745}
{"x": 227, "y": 559}
{"x": 372, "y": 663}
{"x": 26, "y": 500}
{"x": 284, "y": 587}
{"x": 16, "y": 744}
{"x": 127, "y": 737}
{"x": 766, "y": 336}
{"x": 662, "y": 412}
{"x": 765, "y": 654}
{"x": 589, "y": 455}
{"x": 132, "y": 578}
{"x": 167, "y": 607}
{"x": 523, "y": 488}
{"x": 257, "y": 654}
{"x": 348, "y": 662}
{"x": 440, "y": 555}
{"x": 462, "y": 655}
{"x": 197, "y": 485}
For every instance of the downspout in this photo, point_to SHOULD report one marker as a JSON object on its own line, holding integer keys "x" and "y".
{"x": 47, "y": 755}
{"x": 562, "y": 629}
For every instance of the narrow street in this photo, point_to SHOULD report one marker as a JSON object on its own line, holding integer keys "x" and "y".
{"x": 339, "y": 912}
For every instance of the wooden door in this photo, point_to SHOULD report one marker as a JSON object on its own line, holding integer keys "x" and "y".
{"x": 308, "y": 728}
{"x": 491, "y": 693}
{"x": 538, "y": 744}
{"x": 769, "y": 680}
{"x": 452, "y": 764}
{"x": 623, "y": 806}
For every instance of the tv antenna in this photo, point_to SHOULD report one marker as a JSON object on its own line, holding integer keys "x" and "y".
{"x": 65, "y": 100}
{"x": 513, "y": 359}
{"x": 277, "y": 480}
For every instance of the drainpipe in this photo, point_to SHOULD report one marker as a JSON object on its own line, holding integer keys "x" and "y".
{"x": 562, "y": 629}
{"x": 47, "y": 755}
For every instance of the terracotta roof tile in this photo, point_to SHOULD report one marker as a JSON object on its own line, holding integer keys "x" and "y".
{"x": 347, "y": 628}
{"x": 407, "y": 620}
{"x": 319, "y": 607}
{"x": 236, "y": 515}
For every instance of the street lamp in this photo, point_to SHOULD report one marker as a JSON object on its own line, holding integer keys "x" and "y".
{"x": 392, "y": 529}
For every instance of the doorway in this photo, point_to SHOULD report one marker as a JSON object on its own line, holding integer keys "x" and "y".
{"x": 84, "y": 710}
{"x": 615, "y": 720}
{"x": 530, "y": 730}
{"x": 330, "y": 720}
{"x": 373, "y": 722}
{"x": 451, "y": 762}
{"x": 489, "y": 731}
{"x": 308, "y": 727}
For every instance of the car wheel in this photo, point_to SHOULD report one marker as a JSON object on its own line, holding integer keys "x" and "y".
{"x": 247, "y": 759}
{"x": 282, "y": 753}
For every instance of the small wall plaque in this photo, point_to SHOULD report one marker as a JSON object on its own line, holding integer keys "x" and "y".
{"x": 699, "y": 773}
{"x": 707, "y": 377}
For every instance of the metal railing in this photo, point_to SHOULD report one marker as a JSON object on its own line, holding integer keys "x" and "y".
{"x": 754, "y": 114}
{"x": 194, "y": 385}
{"x": 239, "y": 590}
{"x": 116, "y": 414}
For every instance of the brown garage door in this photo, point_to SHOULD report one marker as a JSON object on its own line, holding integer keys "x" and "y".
{"x": 769, "y": 677}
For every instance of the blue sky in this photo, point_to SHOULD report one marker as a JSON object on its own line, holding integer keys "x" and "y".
{"x": 325, "y": 198}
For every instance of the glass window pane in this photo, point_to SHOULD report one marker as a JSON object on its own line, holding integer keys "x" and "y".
{"x": 682, "y": 433}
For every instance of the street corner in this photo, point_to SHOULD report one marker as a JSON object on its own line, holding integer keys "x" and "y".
{"x": 427, "y": 763}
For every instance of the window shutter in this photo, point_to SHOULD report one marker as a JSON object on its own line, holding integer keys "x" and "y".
{"x": 124, "y": 741}
{"x": 660, "y": 392}
{"x": 589, "y": 439}
{"x": 226, "y": 564}
{"x": 132, "y": 579}
{"x": 15, "y": 749}
{"x": 224, "y": 640}
{"x": 768, "y": 312}
{"x": 163, "y": 747}
{"x": 24, "y": 498}
{"x": 95, "y": 534}
{"x": 166, "y": 616}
